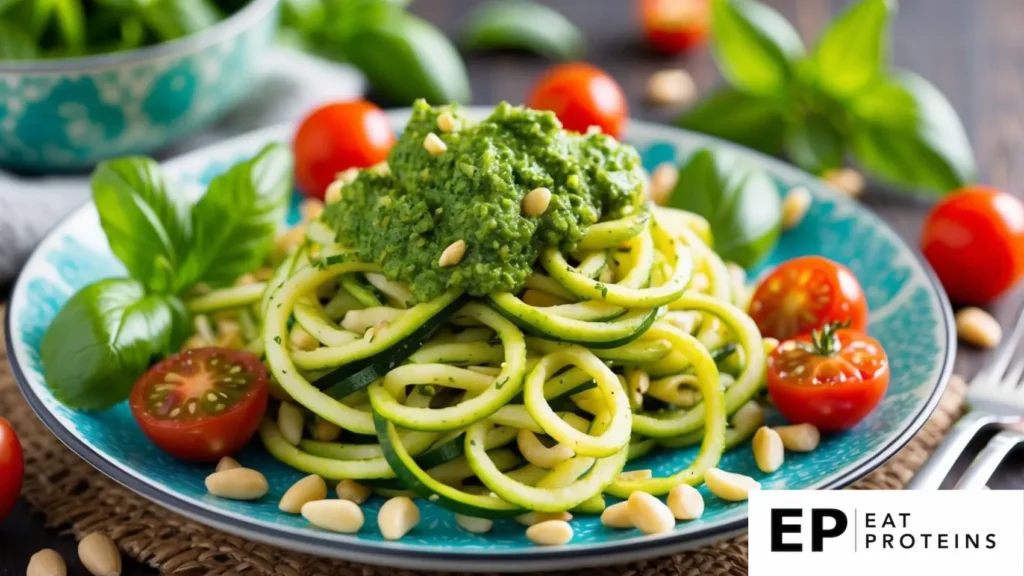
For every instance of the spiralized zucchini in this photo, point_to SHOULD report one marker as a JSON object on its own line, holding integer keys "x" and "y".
{"x": 526, "y": 401}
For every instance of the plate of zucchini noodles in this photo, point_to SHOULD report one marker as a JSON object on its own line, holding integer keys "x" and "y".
{"x": 493, "y": 408}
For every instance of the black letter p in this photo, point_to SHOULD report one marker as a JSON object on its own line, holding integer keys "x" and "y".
{"x": 818, "y": 531}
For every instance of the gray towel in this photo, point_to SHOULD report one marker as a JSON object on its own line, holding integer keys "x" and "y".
{"x": 292, "y": 84}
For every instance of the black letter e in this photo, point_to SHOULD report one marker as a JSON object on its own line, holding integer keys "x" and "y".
{"x": 779, "y": 528}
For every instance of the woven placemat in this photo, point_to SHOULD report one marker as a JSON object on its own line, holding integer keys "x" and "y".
{"x": 75, "y": 497}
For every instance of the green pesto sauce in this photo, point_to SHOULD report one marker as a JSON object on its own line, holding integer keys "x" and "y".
{"x": 403, "y": 218}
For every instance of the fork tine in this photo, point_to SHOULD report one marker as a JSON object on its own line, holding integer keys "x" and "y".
{"x": 1013, "y": 375}
{"x": 996, "y": 368}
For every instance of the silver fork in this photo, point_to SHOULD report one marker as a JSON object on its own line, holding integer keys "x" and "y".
{"x": 996, "y": 396}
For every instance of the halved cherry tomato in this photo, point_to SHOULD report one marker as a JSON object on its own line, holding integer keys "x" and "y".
{"x": 832, "y": 378}
{"x": 581, "y": 96}
{"x": 673, "y": 26}
{"x": 201, "y": 404}
{"x": 12, "y": 468}
{"x": 337, "y": 137}
{"x": 807, "y": 293}
{"x": 974, "y": 240}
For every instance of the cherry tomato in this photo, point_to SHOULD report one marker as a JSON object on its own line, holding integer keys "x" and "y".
{"x": 337, "y": 137}
{"x": 674, "y": 26}
{"x": 12, "y": 468}
{"x": 974, "y": 240}
{"x": 581, "y": 96}
{"x": 807, "y": 293}
{"x": 832, "y": 378}
{"x": 201, "y": 404}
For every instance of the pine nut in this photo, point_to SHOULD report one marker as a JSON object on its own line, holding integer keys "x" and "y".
{"x": 685, "y": 502}
{"x": 635, "y": 475}
{"x": 237, "y": 484}
{"x": 671, "y": 87}
{"x": 334, "y": 515}
{"x": 978, "y": 328}
{"x": 617, "y": 516}
{"x": 453, "y": 254}
{"x": 649, "y": 514}
{"x": 397, "y": 516}
{"x": 730, "y": 486}
{"x": 325, "y": 430}
{"x": 99, "y": 555}
{"x": 311, "y": 209}
{"x": 550, "y": 533}
{"x": 769, "y": 344}
{"x": 227, "y": 463}
{"x": 46, "y": 562}
{"x": 768, "y": 449}
{"x": 799, "y": 437}
{"x": 352, "y": 491}
{"x": 474, "y": 524}
{"x": 446, "y": 122}
{"x": 531, "y": 518}
{"x": 536, "y": 202}
{"x": 302, "y": 340}
{"x": 308, "y": 489}
{"x": 795, "y": 207}
{"x": 847, "y": 180}
{"x": 289, "y": 422}
{"x": 434, "y": 145}
{"x": 663, "y": 182}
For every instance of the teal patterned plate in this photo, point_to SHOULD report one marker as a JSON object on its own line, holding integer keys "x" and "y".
{"x": 910, "y": 315}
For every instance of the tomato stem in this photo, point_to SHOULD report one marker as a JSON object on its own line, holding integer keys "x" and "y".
{"x": 826, "y": 341}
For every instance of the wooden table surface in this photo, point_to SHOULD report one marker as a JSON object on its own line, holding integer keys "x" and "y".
{"x": 972, "y": 50}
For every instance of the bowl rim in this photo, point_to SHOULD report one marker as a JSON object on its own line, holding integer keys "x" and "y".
{"x": 250, "y": 14}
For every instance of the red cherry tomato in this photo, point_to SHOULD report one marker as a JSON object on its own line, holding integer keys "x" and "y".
{"x": 12, "y": 468}
{"x": 807, "y": 293}
{"x": 832, "y": 379}
{"x": 674, "y": 26}
{"x": 581, "y": 96}
{"x": 201, "y": 404}
{"x": 337, "y": 137}
{"x": 974, "y": 240}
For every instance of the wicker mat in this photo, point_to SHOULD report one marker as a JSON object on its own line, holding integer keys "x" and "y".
{"x": 74, "y": 496}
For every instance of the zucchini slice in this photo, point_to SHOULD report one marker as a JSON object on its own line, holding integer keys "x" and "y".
{"x": 614, "y": 232}
{"x": 373, "y": 468}
{"x": 226, "y": 298}
{"x": 600, "y": 334}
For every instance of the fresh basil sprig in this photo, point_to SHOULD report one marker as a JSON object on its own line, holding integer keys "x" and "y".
{"x": 109, "y": 332}
{"x": 523, "y": 25}
{"x": 840, "y": 99}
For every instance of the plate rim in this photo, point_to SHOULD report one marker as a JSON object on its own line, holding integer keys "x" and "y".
{"x": 418, "y": 556}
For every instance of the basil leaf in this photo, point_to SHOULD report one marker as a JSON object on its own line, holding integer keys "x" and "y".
{"x": 739, "y": 201}
{"x": 31, "y": 17}
{"x": 233, "y": 224}
{"x": 104, "y": 339}
{"x": 906, "y": 132}
{"x": 147, "y": 225}
{"x": 753, "y": 121}
{"x": 306, "y": 15}
{"x": 15, "y": 44}
{"x": 814, "y": 143}
{"x": 70, "y": 18}
{"x": 854, "y": 49}
{"x": 754, "y": 45}
{"x": 523, "y": 26}
{"x": 406, "y": 58}
{"x": 5, "y": 4}
{"x": 171, "y": 19}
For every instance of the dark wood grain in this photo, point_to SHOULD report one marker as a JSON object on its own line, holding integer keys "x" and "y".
{"x": 972, "y": 50}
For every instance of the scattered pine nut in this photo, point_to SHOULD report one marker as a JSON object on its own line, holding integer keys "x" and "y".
{"x": 847, "y": 180}
{"x": 685, "y": 502}
{"x": 550, "y": 533}
{"x": 302, "y": 340}
{"x": 289, "y": 422}
{"x": 536, "y": 202}
{"x": 46, "y": 562}
{"x": 768, "y": 449}
{"x": 325, "y": 430}
{"x": 308, "y": 489}
{"x": 289, "y": 240}
{"x": 453, "y": 254}
{"x": 446, "y": 122}
{"x": 594, "y": 129}
{"x": 671, "y": 87}
{"x": 795, "y": 206}
{"x": 649, "y": 514}
{"x": 617, "y": 516}
{"x": 434, "y": 145}
{"x": 978, "y": 328}
{"x": 663, "y": 182}
{"x": 227, "y": 463}
{"x": 381, "y": 168}
{"x": 474, "y": 524}
{"x": 635, "y": 475}
{"x": 311, "y": 209}
{"x": 237, "y": 484}
{"x": 799, "y": 437}
{"x": 531, "y": 518}
{"x": 99, "y": 555}
{"x": 397, "y": 517}
{"x": 335, "y": 515}
{"x": 352, "y": 491}
{"x": 730, "y": 486}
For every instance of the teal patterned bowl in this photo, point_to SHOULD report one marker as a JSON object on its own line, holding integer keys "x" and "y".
{"x": 66, "y": 115}
{"x": 910, "y": 315}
